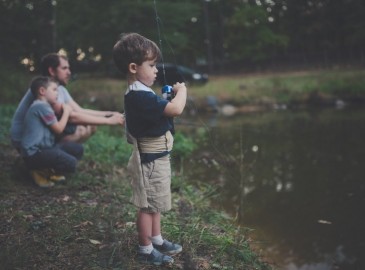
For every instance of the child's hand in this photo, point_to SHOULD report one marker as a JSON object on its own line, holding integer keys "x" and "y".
{"x": 66, "y": 108}
{"x": 178, "y": 87}
{"x": 57, "y": 107}
{"x": 177, "y": 104}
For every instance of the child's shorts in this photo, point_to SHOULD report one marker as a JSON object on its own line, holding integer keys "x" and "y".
{"x": 157, "y": 179}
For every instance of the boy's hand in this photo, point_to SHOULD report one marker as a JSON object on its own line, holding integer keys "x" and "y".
{"x": 66, "y": 108}
{"x": 178, "y": 86}
{"x": 57, "y": 107}
{"x": 176, "y": 106}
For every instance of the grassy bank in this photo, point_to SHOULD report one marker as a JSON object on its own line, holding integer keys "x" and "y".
{"x": 88, "y": 223}
{"x": 290, "y": 87}
{"x": 314, "y": 87}
{"x": 320, "y": 87}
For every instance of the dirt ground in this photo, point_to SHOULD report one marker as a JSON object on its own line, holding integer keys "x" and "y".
{"x": 79, "y": 225}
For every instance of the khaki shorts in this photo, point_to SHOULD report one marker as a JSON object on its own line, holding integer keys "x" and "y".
{"x": 157, "y": 179}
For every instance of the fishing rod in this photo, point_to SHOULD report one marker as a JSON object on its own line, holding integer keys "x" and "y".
{"x": 167, "y": 89}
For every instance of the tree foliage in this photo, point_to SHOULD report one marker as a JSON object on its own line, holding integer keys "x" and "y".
{"x": 190, "y": 32}
{"x": 249, "y": 25}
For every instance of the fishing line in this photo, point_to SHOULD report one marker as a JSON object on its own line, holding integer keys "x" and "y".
{"x": 224, "y": 156}
{"x": 159, "y": 24}
{"x": 160, "y": 40}
{"x": 191, "y": 104}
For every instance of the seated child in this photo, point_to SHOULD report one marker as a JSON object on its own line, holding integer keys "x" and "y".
{"x": 46, "y": 159}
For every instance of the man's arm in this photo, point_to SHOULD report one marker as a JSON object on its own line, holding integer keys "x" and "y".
{"x": 76, "y": 107}
{"x": 80, "y": 117}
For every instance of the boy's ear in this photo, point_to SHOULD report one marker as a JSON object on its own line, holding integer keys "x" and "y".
{"x": 41, "y": 90}
{"x": 132, "y": 68}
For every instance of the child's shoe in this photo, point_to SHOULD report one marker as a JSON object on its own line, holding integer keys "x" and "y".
{"x": 56, "y": 177}
{"x": 155, "y": 258}
{"x": 40, "y": 177}
{"x": 168, "y": 247}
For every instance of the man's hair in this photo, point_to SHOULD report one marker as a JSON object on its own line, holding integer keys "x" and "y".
{"x": 134, "y": 48}
{"x": 51, "y": 60}
{"x": 38, "y": 82}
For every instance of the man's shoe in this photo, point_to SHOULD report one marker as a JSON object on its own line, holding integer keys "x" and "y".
{"x": 40, "y": 177}
{"x": 155, "y": 258}
{"x": 168, "y": 247}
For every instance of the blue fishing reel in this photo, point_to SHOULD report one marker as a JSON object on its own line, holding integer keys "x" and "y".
{"x": 167, "y": 92}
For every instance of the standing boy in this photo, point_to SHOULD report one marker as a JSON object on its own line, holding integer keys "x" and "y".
{"x": 149, "y": 122}
{"x": 43, "y": 156}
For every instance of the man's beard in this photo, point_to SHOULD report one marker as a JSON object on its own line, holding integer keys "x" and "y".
{"x": 63, "y": 83}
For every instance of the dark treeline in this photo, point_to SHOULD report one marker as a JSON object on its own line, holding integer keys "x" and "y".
{"x": 214, "y": 35}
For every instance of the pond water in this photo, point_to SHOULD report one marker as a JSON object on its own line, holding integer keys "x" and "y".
{"x": 296, "y": 178}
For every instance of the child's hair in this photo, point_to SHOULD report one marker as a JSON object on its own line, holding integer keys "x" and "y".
{"x": 134, "y": 48}
{"x": 38, "y": 82}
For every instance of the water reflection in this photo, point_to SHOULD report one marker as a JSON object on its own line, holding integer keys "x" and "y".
{"x": 296, "y": 178}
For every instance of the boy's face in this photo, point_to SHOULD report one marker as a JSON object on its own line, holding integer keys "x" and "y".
{"x": 51, "y": 93}
{"x": 147, "y": 72}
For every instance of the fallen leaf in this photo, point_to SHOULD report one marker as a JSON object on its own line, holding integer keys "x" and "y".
{"x": 119, "y": 224}
{"x": 91, "y": 202}
{"x": 204, "y": 264}
{"x": 83, "y": 224}
{"x": 103, "y": 246}
{"x": 28, "y": 217}
{"x": 95, "y": 242}
{"x": 322, "y": 221}
{"x": 130, "y": 224}
{"x": 66, "y": 198}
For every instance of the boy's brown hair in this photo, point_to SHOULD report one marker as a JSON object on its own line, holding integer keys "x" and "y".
{"x": 134, "y": 48}
{"x": 38, "y": 82}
